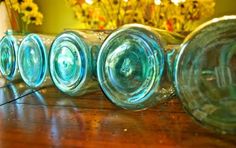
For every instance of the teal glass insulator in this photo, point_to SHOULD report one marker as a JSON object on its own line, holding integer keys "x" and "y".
{"x": 72, "y": 61}
{"x": 33, "y": 60}
{"x": 9, "y": 45}
{"x": 205, "y": 74}
{"x": 131, "y": 66}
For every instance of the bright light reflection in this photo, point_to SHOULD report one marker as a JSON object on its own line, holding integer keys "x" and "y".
{"x": 176, "y": 2}
{"x": 90, "y": 2}
{"x": 157, "y": 2}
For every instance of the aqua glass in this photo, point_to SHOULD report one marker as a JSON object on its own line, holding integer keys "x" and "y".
{"x": 72, "y": 61}
{"x": 132, "y": 67}
{"x": 205, "y": 74}
{"x": 9, "y": 45}
{"x": 33, "y": 60}
{"x": 8, "y": 93}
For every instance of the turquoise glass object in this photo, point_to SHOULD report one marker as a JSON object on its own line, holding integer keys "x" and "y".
{"x": 131, "y": 66}
{"x": 8, "y": 60}
{"x": 72, "y": 61}
{"x": 33, "y": 60}
{"x": 8, "y": 93}
{"x": 205, "y": 74}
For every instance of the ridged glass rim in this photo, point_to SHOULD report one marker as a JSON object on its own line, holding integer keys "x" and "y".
{"x": 14, "y": 46}
{"x": 74, "y": 38}
{"x": 186, "y": 42}
{"x": 199, "y": 30}
{"x": 155, "y": 82}
{"x": 37, "y": 40}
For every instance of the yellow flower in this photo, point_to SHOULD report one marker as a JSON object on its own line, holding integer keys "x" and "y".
{"x": 165, "y": 14}
{"x": 27, "y": 7}
{"x": 15, "y": 4}
{"x": 27, "y": 10}
{"x": 33, "y": 17}
{"x": 20, "y": 1}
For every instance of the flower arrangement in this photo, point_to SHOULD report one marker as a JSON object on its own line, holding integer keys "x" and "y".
{"x": 172, "y": 15}
{"x": 27, "y": 9}
{"x": 22, "y": 13}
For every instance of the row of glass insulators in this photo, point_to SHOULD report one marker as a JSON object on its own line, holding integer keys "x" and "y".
{"x": 136, "y": 66}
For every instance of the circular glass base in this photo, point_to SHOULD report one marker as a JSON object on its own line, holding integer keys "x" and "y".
{"x": 68, "y": 62}
{"x": 206, "y": 74}
{"x": 130, "y": 66}
{"x": 32, "y": 59}
{"x": 8, "y": 62}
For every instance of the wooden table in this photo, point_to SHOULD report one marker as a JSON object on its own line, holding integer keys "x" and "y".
{"x": 47, "y": 118}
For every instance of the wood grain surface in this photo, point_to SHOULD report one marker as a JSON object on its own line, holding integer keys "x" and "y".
{"x": 48, "y": 118}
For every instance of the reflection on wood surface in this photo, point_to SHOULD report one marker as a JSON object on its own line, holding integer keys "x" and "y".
{"x": 48, "y": 117}
{"x": 12, "y": 91}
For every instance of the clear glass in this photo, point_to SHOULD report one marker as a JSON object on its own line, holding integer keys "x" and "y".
{"x": 72, "y": 61}
{"x": 8, "y": 60}
{"x": 33, "y": 60}
{"x": 132, "y": 69}
{"x": 205, "y": 74}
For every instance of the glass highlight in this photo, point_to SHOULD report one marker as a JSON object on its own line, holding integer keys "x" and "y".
{"x": 205, "y": 74}
{"x": 131, "y": 66}
{"x": 9, "y": 45}
{"x": 72, "y": 61}
{"x": 33, "y": 60}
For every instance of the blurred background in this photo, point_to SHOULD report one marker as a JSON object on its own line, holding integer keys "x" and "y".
{"x": 58, "y": 14}
{"x": 172, "y": 15}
